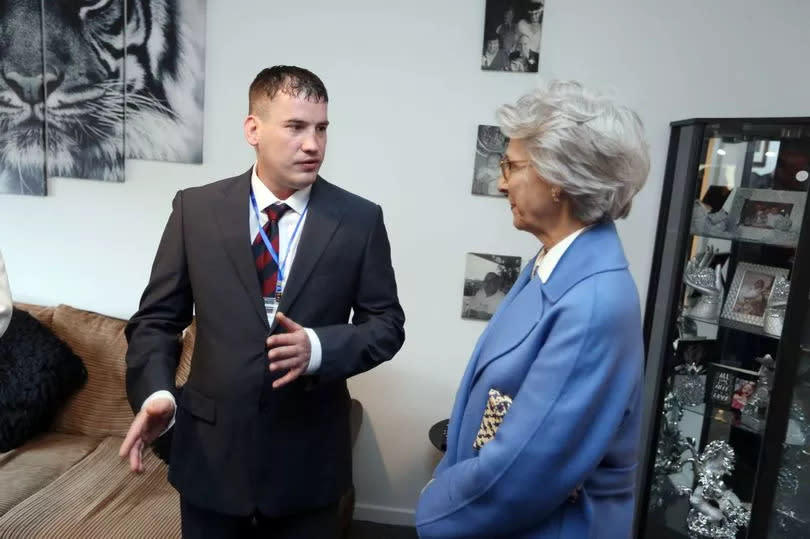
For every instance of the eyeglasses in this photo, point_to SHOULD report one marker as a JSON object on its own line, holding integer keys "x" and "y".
{"x": 507, "y": 166}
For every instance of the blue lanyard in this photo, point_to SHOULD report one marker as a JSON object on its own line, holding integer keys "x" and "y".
{"x": 283, "y": 264}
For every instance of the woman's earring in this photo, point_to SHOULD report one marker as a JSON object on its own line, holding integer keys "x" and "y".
{"x": 555, "y": 195}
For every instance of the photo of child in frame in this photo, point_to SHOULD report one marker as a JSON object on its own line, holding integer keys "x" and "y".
{"x": 743, "y": 390}
{"x": 754, "y": 293}
{"x": 767, "y": 215}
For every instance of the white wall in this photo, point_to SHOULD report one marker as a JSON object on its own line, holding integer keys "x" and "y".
{"x": 406, "y": 97}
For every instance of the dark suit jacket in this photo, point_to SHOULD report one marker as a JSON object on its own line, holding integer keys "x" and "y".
{"x": 499, "y": 63}
{"x": 238, "y": 445}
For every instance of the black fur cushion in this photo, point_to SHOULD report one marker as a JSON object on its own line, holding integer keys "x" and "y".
{"x": 38, "y": 372}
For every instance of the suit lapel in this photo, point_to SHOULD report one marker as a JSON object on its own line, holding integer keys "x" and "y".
{"x": 323, "y": 217}
{"x": 231, "y": 214}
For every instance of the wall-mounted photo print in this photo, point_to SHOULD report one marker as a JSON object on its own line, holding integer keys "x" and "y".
{"x": 489, "y": 149}
{"x": 512, "y": 31}
{"x": 487, "y": 280}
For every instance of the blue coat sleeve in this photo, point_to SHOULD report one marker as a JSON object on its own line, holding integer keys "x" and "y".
{"x": 558, "y": 429}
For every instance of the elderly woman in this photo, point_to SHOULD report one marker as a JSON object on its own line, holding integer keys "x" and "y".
{"x": 565, "y": 344}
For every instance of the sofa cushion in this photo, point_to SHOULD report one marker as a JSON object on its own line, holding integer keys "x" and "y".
{"x": 101, "y": 407}
{"x": 25, "y": 470}
{"x": 38, "y": 373}
{"x": 100, "y": 497}
{"x": 41, "y": 313}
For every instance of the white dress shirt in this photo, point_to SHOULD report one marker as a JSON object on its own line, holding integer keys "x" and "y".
{"x": 5, "y": 298}
{"x": 548, "y": 260}
{"x": 286, "y": 227}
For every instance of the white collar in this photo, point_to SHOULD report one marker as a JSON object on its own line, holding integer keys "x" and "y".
{"x": 265, "y": 197}
{"x": 548, "y": 260}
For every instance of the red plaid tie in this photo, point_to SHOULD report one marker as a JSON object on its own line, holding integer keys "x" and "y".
{"x": 266, "y": 267}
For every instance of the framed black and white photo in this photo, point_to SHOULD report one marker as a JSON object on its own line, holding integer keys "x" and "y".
{"x": 489, "y": 149}
{"x": 512, "y": 31}
{"x": 767, "y": 216}
{"x": 91, "y": 113}
{"x": 487, "y": 280}
{"x": 749, "y": 292}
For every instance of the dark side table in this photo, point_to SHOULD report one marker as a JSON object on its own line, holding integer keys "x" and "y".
{"x": 438, "y": 435}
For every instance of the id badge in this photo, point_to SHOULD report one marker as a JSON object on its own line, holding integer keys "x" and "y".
{"x": 270, "y": 308}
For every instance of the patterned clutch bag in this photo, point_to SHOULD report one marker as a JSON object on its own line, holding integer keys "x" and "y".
{"x": 497, "y": 406}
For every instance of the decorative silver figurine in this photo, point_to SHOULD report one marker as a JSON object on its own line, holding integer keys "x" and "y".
{"x": 774, "y": 315}
{"x": 753, "y": 413}
{"x": 690, "y": 383}
{"x": 700, "y": 276}
{"x": 716, "y": 513}
{"x": 713, "y": 224}
{"x": 669, "y": 454}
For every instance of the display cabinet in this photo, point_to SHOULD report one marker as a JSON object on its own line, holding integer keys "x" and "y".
{"x": 726, "y": 436}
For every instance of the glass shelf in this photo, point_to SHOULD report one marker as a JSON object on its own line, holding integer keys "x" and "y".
{"x": 735, "y": 325}
{"x": 741, "y": 240}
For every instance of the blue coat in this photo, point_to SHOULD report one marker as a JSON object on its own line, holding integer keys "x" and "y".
{"x": 570, "y": 353}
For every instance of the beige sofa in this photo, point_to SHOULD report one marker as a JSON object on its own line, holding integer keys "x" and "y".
{"x": 69, "y": 481}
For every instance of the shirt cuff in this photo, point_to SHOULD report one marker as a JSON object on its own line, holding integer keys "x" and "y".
{"x": 162, "y": 394}
{"x": 315, "y": 352}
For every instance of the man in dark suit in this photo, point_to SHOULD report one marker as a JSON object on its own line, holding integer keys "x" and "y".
{"x": 261, "y": 440}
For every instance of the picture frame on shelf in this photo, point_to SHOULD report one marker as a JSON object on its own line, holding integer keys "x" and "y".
{"x": 697, "y": 350}
{"x": 766, "y": 216}
{"x": 715, "y": 197}
{"x": 744, "y": 388}
{"x": 760, "y": 155}
{"x": 722, "y": 386}
{"x": 749, "y": 292}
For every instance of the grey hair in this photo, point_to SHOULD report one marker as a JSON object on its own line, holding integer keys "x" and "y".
{"x": 583, "y": 143}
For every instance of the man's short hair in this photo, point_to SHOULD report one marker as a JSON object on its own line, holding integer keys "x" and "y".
{"x": 292, "y": 80}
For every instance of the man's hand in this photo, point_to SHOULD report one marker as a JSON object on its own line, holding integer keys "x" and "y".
{"x": 147, "y": 426}
{"x": 290, "y": 350}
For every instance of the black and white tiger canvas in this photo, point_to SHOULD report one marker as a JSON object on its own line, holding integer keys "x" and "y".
{"x": 22, "y": 112}
{"x": 120, "y": 78}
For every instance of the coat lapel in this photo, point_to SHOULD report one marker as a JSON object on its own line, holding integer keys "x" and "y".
{"x": 231, "y": 214}
{"x": 323, "y": 217}
{"x": 514, "y": 322}
{"x": 473, "y": 369}
{"x": 595, "y": 251}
